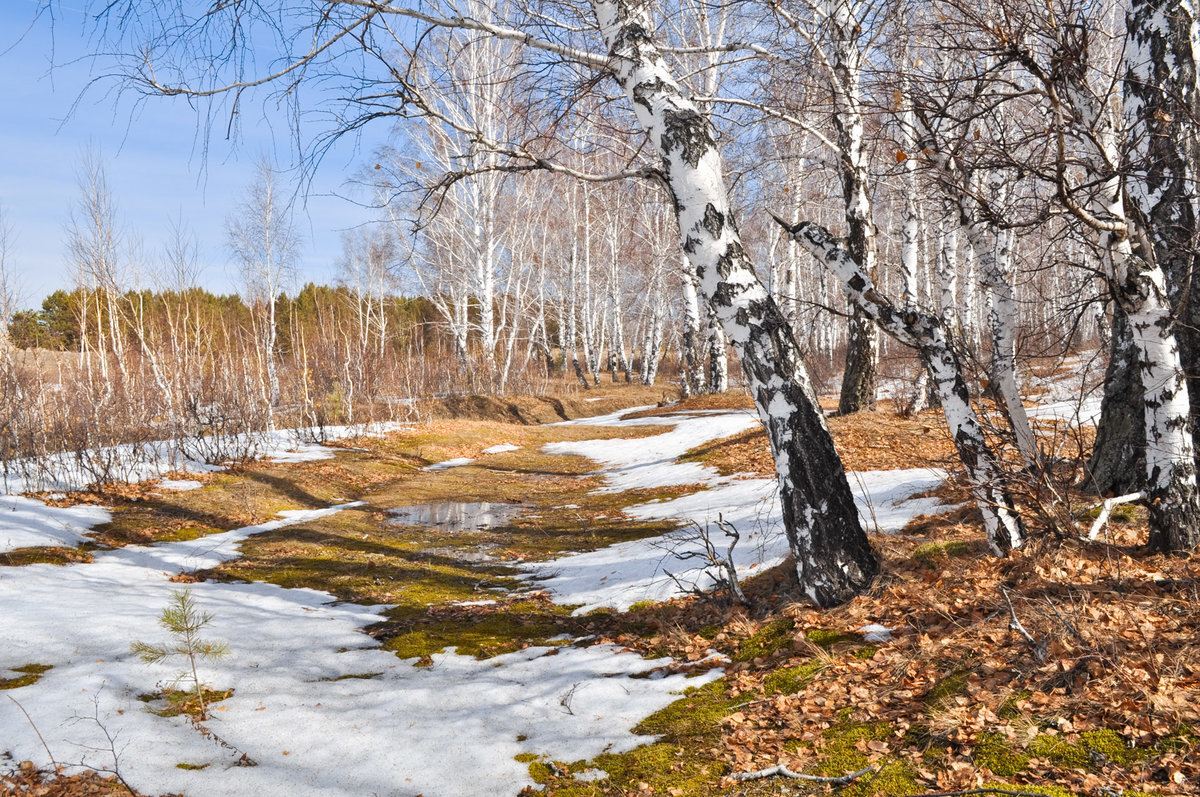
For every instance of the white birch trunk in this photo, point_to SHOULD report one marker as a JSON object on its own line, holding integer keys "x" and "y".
{"x": 832, "y": 555}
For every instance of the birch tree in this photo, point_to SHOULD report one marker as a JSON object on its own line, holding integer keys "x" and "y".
{"x": 1137, "y": 196}
{"x": 833, "y": 557}
{"x": 265, "y": 246}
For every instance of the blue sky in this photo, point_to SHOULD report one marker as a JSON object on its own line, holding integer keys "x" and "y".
{"x": 153, "y": 156}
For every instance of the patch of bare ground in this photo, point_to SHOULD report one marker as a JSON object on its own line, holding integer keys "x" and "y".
{"x": 27, "y": 781}
{"x": 881, "y": 440}
{"x": 1098, "y": 693}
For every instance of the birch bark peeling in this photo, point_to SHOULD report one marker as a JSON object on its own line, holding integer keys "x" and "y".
{"x": 834, "y": 560}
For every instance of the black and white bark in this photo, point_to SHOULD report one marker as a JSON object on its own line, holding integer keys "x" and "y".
{"x": 926, "y": 333}
{"x": 846, "y": 66}
{"x": 692, "y": 363}
{"x": 1118, "y": 461}
{"x": 833, "y": 557}
{"x": 1153, "y": 261}
{"x": 1143, "y": 210}
{"x": 718, "y": 362}
{"x": 1162, "y": 100}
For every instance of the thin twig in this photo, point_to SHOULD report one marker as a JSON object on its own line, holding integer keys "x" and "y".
{"x": 1039, "y": 651}
{"x": 782, "y": 771}
{"x": 1067, "y": 623}
{"x": 41, "y": 739}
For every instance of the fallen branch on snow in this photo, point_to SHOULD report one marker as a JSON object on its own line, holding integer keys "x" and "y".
{"x": 782, "y": 771}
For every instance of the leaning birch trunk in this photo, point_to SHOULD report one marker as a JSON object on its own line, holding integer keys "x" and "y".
{"x": 926, "y": 333}
{"x": 996, "y": 275}
{"x": 833, "y": 557}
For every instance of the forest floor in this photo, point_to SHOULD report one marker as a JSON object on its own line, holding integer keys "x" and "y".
{"x": 924, "y": 685}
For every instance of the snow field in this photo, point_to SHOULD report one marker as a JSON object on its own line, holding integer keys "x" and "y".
{"x": 133, "y": 464}
{"x": 298, "y": 709}
{"x": 623, "y": 574}
{"x": 448, "y": 729}
{"x": 25, "y": 522}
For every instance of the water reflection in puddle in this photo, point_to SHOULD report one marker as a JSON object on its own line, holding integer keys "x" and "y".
{"x": 456, "y": 516}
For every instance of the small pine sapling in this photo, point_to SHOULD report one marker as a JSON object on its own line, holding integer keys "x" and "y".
{"x": 184, "y": 621}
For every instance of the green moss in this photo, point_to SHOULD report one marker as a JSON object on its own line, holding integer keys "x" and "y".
{"x": 698, "y": 713}
{"x": 790, "y": 680}
{"x": 30, "y": 674}
{"x": 665, "y": 768}
{"x": 994, "y": 752}
{"x": 768, "y": 639}
{"x": 932, "y": 551}
{"x": 1049, "y": 791}
{"x": 933, "y": 748}
{"x": 945, "y": 690}
{"x": 191, "y": 767}
{"x": 827, "y": 638}
{"x": 1059, "y": 752}
{"x": 678, "y": 762}
{"x": 497, "y": 633}
{"x": 1121, "y": 513}
{"x": 641, "y": 605}
{"x": 1112, "y": 746}
{"x": 46, "y": 555}
{"x": 1008, "y": 709}
{"x": 1094, "y": 748}
{"x": 540, "y": 771}
{"x": 866, "y": 652}
{"x": 525, "y": 758}
{"x": 841, "y": 755}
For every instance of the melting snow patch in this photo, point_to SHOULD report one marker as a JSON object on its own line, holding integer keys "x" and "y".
{"x": 500, "y": 449}
{"x": 648, "y": 569}
{"x": 25, "y": 523}
{"x": 302, "y": 708}
{"x": 306, "y": 452}
{"x": 633, "y": 463}
{"x": 1075, "y": 413}
{"x": 446, "y": 464}
{"x": 874, "y": 632}
{"x": 180, "y": 485}
{"x": 591, "y": 774}
{"x": 138, "y": 463}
